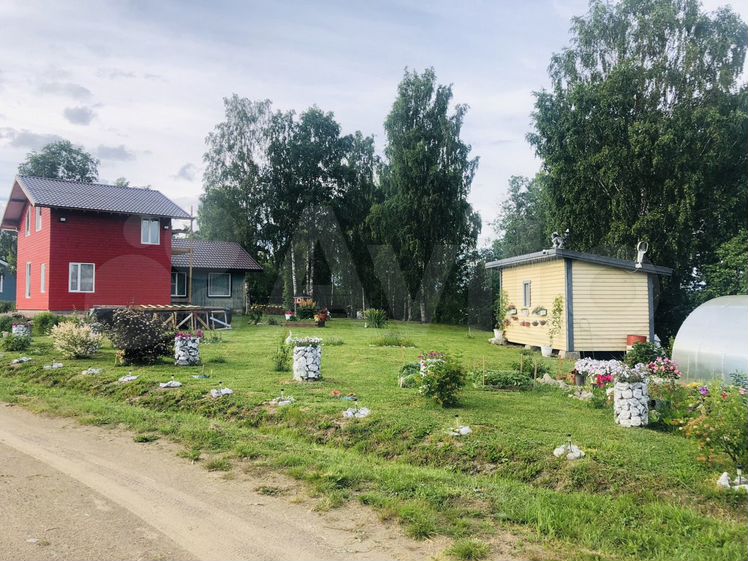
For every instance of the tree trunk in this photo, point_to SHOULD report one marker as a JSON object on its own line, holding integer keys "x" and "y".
{"x": 311, "y": 253}
{"x": 293, "y": 278}
{"x": 422, "y": 305}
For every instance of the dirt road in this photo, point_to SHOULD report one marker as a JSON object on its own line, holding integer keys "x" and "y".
{"x": 76, "y": 492}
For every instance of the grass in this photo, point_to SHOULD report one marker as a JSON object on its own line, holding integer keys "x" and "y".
{"x": 469, "y": 550}
{"x": 639, "y": 494}
{"x": 392, "y": 339}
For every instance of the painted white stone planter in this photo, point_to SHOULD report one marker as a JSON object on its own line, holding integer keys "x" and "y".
{"x": 186, "y": 351}
{"x": 21, "y": 330}
{"x": 631, "y": 404}
{"x": 307, "y": 363}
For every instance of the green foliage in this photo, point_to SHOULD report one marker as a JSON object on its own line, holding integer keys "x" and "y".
{"x": 375, "y": 318}
{"x": 469, "y": 550}
{"x": 6, "y": 323}
{"x": 306, "y": 310}
{"x": 392, "y": 339}
{"x": 426, "y": 178}
{"x": 61, "y": 160}
{"x": 282, "y": 355}
{"x": 722, "y": 425}
{"x": 644, "y": 139}
{"x": 74, "y": 340}
{"x": 254, "y": 315}
{"x": 141, "y": 338}
{"x": 410, "y": 375}
{"x": 557, "y": 319}
{"x": 501, "y": 380}
{"x": 44, "y": 322}
{"x": 528, "y": 362}
{"x": 728, "y": 274}
{"x": 522, "y": 225}
{"x": 643, "y": 353}
{"x": 333, "y": 341}
{"x": 444, "y": 381}
{"x": 502, "y": 307}
{"x": 16, "y": 343}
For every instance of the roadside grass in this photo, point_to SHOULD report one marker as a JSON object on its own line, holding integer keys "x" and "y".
{"x": 638, "y": 494}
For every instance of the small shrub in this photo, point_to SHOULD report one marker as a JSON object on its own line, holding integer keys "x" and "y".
{"x": 722, "y": 425}
{"x": 643, "y": 353}
{"x": 218, "y": 464}
{"x": 392, "y": 339}
{"x": 528, "y": 363}
{"x": 282, "y": 356}
{"x": 375, "y": 318}
{"x": 6, "y": 323}
{"x": 139, "y": 337}
{"x": 444, "y": 381}
{"x": 273, "y": 321}
{"x": 410, "y": 375}
{"x": 6, "y": 307}
{"x": 75, "y": 340}
{"x": 306, "y": 308}
{"x": 44, "y": 322}
{"x": 16, "y": 343}
{"x": 255, "y": 314}
{"x": 469, "y": 550}
{"x": 502, "y": 380}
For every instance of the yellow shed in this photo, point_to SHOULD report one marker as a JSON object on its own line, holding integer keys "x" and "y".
{"x": 603, "y": 299}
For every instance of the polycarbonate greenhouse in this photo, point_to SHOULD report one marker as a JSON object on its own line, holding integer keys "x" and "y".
{"x": 713, "y": 341}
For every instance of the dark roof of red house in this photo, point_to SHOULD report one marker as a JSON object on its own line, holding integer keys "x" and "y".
{"x": 212, "y": 255}
{"x": 57, "y": 193}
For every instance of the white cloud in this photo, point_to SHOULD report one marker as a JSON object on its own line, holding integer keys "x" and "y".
{"x": 79, "y": 115}
{"x": 26, "y": 139}
{"x": 187, "y": 172}
{"x": 118, "y": 153}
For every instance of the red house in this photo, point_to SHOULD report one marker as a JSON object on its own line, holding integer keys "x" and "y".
{"x": 82, "y": 245}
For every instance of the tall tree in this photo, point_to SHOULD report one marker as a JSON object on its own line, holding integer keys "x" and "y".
{"x": 61, "y": 160}
{"x": 522, "y": 225}
{"x": 643, "y": 135}
{"x": 426, "y": 180}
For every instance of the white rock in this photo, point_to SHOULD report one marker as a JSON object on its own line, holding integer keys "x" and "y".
{"x": 171, "y": 384}
{"x": 125, "y": 379}
{"x": 724, "y": 481}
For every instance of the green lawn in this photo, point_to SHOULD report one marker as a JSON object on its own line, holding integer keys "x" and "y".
{"x": 638, "y": 494}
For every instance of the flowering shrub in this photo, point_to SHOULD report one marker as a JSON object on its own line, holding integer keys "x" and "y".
{"x": 637, "y": 374}
{"x": 306, "y": 308}
{"x": 254, "y": 315}
{"x": 185, "y": 335}
{"x": 443, "y": 381}
{"x": 644, "y": 353}
{"x": 721, "y": 424}
{"x": 600, "y": 372}
{"x": 75, "y": 340}
{"x": 139, "y": 337}
{"x": 303, "y": 341}
{"x": 663, "y": 367}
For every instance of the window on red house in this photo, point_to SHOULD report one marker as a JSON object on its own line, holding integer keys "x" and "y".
{"x": 82, "y": 277}
{"x": 150, "y": 231}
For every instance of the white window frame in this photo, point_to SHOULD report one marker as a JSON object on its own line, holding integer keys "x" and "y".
{"x": 38, "y": 218}
{"x": 213, "y": 295}
{"x": 527, "y": 294}
{"x": 147, "y": 240}
{"x": 176, "y": 284}
{"x": 78, "y": 278}
{"x": 28, "y": 280}
{"x": 2, "y": 282}
{"x": 28, "y": 221}
{"x": 43, "y": 278}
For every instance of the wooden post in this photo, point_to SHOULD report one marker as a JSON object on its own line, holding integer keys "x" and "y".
{"x": 192, "y": 242}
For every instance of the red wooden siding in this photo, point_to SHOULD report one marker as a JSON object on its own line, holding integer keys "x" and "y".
{"x": 34, "y": 249}
{"x": 127, "y": 271}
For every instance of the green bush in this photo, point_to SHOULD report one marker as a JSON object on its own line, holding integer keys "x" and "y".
{"x": 6, "y": 307}
{"x": 410, "y": 375}
{"x": 254, "y": 315}
{"x": 44, "y": 322}
{"x": 643, "y": 353}
{"x": 392, "y": 339}
{"x": 16, "y": 343}
{"x": 375, "y": 318}
{"x": 140, "y": 338}
{"x": 306, "y": 311}
{"x": 528, "y": 362}
{"x": 6, "y": 323}
{"x": 74, "y": 340}
{"x": 282, "y": 356}
{"x": 502, "y": 380}
{"x": 444, "y": 381}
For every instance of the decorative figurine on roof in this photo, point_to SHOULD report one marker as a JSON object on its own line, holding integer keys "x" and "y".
{"x": 558, "y": 241}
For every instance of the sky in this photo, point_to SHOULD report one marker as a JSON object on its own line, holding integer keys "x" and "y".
{"x": 140, "y": 84}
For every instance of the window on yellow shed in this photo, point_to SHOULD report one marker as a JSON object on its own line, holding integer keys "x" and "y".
{"x": 527, "y": 292}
